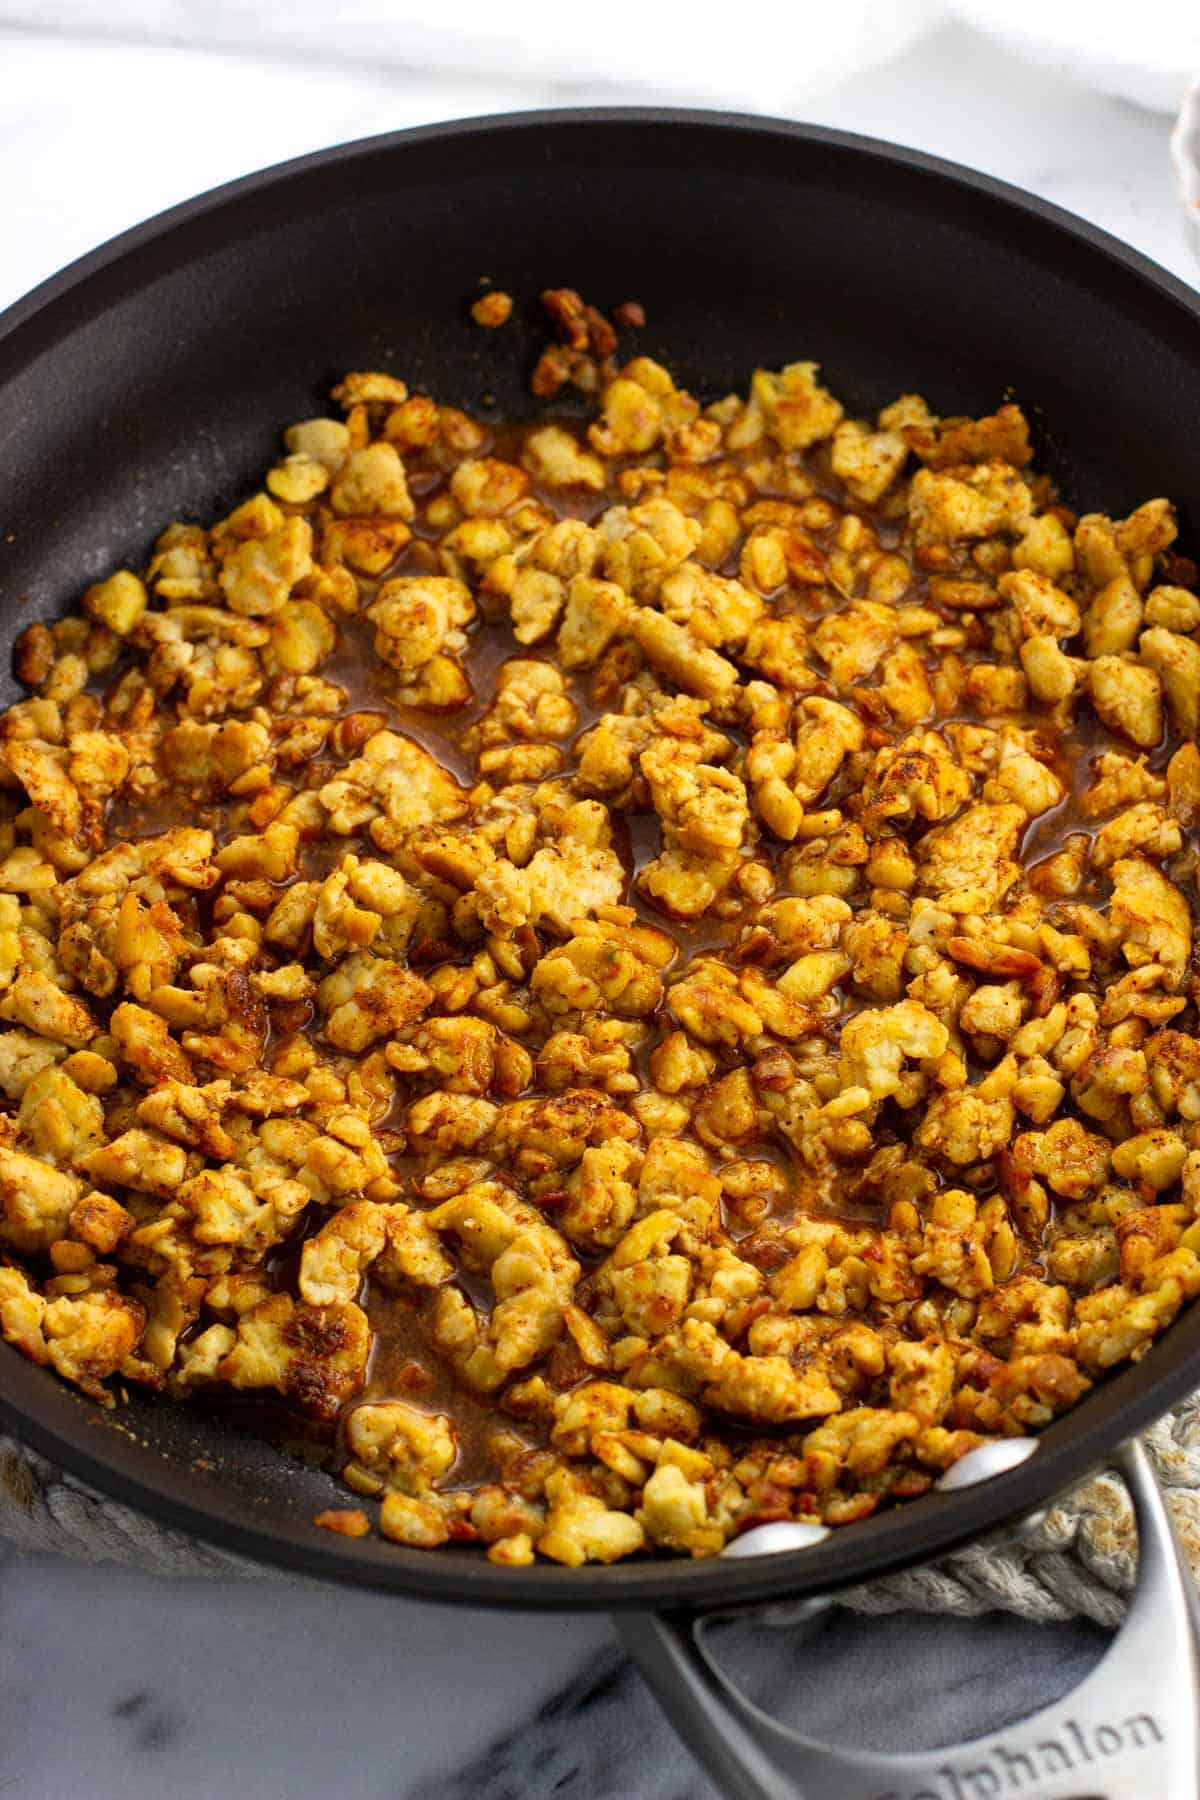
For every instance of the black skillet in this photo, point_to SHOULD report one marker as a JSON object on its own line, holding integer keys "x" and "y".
{"x": 149, "y": 381}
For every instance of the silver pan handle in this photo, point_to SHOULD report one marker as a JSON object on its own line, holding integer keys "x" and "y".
{"x": 1129, "y": 1731}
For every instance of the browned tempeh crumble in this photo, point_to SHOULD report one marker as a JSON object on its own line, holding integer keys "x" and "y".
{"x": 676, "y": 931}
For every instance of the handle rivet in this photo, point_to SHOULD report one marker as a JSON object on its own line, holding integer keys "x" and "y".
{"x": 995, "y": 1457}
{"x": 779, "y": 1535}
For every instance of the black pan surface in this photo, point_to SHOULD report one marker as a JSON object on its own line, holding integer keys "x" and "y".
{"x": 149, "y": 381}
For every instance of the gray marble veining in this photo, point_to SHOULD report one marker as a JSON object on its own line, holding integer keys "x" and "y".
{"x": 120, "y": 1686}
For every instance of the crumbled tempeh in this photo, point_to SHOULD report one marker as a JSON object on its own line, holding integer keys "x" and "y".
{"x": 640, "y": 976}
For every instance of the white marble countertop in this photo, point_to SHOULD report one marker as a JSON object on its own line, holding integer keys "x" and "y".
{"x": 117, "y": 1684}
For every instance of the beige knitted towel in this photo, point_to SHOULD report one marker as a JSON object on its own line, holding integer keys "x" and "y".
{"x": 1080, "y": 1562}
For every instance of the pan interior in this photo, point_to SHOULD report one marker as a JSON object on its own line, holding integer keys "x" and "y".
{"x": 151, "y": 384}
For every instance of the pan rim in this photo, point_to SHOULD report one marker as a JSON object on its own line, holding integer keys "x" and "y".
{"x": 152, "y": 1483}
{"x": 902, "y": 1537}
{"x": 160, "y": 225}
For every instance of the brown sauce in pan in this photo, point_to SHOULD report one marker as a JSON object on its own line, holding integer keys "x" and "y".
{"x": 404, "y": 1364}
{"x": 802, "y": 1108}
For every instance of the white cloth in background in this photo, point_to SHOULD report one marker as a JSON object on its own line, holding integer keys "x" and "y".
{"x": 1147, "y": 56}
{"x": 774, "y": 58}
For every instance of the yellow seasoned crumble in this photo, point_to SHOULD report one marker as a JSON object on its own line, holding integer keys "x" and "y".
{"x": 492, "y": 309}
{"x": 675, "y": 930}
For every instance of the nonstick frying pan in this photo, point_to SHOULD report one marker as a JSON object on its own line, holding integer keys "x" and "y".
{"x": 149, "y": 381}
